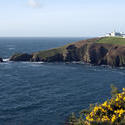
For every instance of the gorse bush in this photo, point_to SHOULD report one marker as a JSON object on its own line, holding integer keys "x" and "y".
{"x": 111, "y": 112}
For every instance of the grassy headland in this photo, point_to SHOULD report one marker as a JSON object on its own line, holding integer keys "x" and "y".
{"x": 112, "y": 40}
{"x": 97, "y": 51}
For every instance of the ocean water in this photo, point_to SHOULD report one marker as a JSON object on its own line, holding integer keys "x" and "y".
{"x": 47, "y": 93}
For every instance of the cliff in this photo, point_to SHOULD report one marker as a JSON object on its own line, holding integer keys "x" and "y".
{"x": 97, "y": 51}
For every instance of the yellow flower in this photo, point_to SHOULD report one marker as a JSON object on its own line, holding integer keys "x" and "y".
{"x": 119, "y": 112}
{"x": 113, "y": 108}
{"x": 123, "y": 89}
{"x": 89, "y": 118}
{"x": 105, "y": 103}
{"x": 113, "y": 118}
{"x": 124, "y": 98}
{"x": 105, "y": 118}
{"x": 117, "y": 99}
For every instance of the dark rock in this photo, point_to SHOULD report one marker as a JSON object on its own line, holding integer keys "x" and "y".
{"x": 21, "y": 57}
{"x": 116, "y": 56}
{"x": 1, "y": 60}
{"x": 72, "y": 54}
{"x": 97, "y": 53}
{"x": 55, "y": 58}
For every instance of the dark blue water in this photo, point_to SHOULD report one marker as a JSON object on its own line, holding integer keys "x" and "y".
{"x": 45, "y": 94}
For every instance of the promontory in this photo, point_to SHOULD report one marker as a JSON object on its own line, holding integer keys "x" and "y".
{"x": 96, "y": 51}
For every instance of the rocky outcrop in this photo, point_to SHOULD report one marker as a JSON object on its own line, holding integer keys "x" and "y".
{"x": 116, "y": 56}
{"x": 1, "y": 60}
{"x": 54, "y": 58}
{"x": 90, "y": 51}
{"x": 21, "y": 57}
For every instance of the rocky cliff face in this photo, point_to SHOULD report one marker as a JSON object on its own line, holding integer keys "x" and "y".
{"x": 21, "y": 57}
{"x": 89, "y": 51}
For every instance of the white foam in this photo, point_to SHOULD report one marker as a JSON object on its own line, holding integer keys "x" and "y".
{"x": 11, "y": 48}
{"x": 38, "y": 62}
{"x": 32, "y": 62}
{"x": 6, "y": 60}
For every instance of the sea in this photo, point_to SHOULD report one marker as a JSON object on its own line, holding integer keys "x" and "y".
{"x": 47, "y": 93}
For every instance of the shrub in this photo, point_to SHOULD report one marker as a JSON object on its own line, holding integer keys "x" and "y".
{"x": 111, "y": 112}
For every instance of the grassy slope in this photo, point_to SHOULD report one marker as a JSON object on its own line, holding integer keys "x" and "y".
{"x": 52, "y": 52}
{"x": 112, "y": 40}
{"x": 107, "y": 40}
{"x": 62, "y": 49}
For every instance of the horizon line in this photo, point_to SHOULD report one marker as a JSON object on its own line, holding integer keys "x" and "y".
{"x": 46, "y": 36}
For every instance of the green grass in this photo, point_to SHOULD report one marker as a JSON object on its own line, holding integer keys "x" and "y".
{"x": 112, "y": 40}
{"x": 62, "y": 50}
{"x": 52, "y": 52}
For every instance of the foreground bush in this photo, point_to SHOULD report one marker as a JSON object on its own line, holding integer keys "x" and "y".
{"x": 111, "y": 112}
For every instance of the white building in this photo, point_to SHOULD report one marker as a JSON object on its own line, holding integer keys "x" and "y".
{"x": 115, "y": 34}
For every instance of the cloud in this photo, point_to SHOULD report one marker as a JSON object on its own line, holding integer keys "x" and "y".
{"x": 34, "y": 3}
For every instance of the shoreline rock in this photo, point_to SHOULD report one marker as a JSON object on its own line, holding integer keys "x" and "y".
{"x": 1, "y": 60}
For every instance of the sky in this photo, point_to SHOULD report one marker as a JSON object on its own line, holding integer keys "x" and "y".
{"x": 61, "y": 18}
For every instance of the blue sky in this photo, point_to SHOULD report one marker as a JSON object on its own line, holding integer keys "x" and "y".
{"x": 61, "y": 17}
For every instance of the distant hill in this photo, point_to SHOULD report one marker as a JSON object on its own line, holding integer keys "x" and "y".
{"x": 97, "y": 51}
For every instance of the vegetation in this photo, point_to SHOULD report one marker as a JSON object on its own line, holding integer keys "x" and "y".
{"x": 63, "y": 50}
{"x": 112, "y": 40}
{"x": 51, "y": 52}
{"x": 111, "y": 112}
